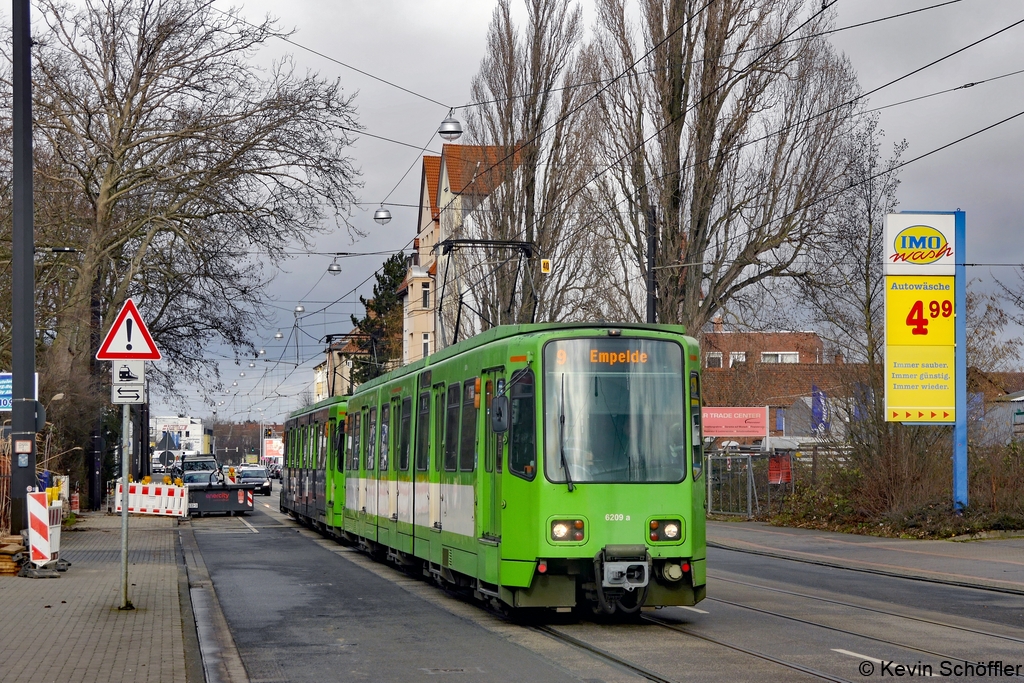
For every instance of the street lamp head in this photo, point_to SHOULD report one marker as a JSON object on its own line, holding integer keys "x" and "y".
{"x": 299, "y": 310}
{"x": 450, "y": 128}
{"x": 382, "y": 216}
{"x": 263, "y": 352}
{"x": 334, "y": 268}
{"x": 241, "y": 374}
{"x": 279, "y": 335}
{"x": 251, "y": 364}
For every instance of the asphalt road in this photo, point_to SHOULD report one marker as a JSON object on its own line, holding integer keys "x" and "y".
{"x": 955, "y": 602}
{"x": 299, "y": 612}
{"x": 303, "y": 608}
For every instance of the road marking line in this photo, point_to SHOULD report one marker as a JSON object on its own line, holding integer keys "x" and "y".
{"x": 858, "y": 656}
{"x": 251, "y": 527}
{"x": 694, "y": 609}
{"x": 870, "y": 659}
{"x": 265, "y": 505}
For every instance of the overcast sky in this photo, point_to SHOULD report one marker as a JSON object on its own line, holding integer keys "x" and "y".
{"x": 434, "y": 47}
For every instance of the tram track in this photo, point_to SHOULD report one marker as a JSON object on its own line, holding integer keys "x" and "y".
{"x": 874, "y": 610}
{"x": 650, "y": 675}
{"x": 836, "y": 629}
{"x": 867, "y": 570}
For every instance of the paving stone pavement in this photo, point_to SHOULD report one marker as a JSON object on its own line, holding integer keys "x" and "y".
{"x": 69, "y": 629}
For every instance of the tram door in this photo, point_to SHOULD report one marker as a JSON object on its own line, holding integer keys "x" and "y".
{"x": 370, "y": 480}
{"x": 490, "y": 477}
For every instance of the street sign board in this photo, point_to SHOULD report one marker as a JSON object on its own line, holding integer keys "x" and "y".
{"x": 128, "y": 338}
{"x": 128, "y": 372}
{"x": 7, "y": 390}
{"x": 920, "y": 318}
{"x": 735, "y": 422}
{"x": 920, "y": 244}
{"x": 128, "y": 393}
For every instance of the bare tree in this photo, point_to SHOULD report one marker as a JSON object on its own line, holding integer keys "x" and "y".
{"x": 176, "y": 167}
{"x": 535, "y": 121}
{"x": 723, "y": 126}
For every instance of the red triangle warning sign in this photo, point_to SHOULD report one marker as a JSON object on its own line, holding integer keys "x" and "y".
{"x": 128, "y": 338}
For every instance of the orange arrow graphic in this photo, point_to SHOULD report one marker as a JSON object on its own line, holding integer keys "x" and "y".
{"x": 933, "y": 413}
{"x": 908, "y": 414}
{"x": 920, "y": 414}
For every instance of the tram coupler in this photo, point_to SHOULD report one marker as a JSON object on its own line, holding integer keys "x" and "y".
{"x": 625, "y": 567}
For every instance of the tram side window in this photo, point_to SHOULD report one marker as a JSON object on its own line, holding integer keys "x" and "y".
{"x": 488, "y": 433}
{"x": 522, "y": 452}
{"x": 354, "y": 440}
{"x": 339, "y": 445}
{"x": 696, "y": 437}
{"x": 451, "y": 429}
{"x": 330, "y": 437}
{"x": 304, "y": 448}
{"x": 322, "y": 432}
{"x": 467, "y": 443}
{"x": 371, "y": 440}
{"x": 405, "y": 425}
{"x": 423, "y": 433}
{"x": 385, "y": 436}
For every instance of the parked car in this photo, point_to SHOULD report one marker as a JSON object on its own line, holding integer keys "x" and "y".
{"x": 199, "y": 478}
{"x": 197, "y": 463}
{"x": 257, "y": 476}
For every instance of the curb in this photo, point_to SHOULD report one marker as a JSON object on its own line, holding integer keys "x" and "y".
{"x": 189, "y": 631}
{"x": 221, "y": 662}
{"x": 944, "y": 579}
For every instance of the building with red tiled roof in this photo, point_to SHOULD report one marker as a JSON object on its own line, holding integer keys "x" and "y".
{"x": 452, "y": 186}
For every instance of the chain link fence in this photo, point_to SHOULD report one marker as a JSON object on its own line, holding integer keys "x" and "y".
{"x": 754, "y": 484}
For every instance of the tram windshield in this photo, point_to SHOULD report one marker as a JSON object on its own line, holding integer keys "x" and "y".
{"x": 613, "y": 411}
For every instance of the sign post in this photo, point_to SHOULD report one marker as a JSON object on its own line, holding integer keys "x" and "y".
{"x": 926, "y": 328}
{"x": 128, "y": 344}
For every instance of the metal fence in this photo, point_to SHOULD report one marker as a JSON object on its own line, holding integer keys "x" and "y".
{"x": 5, "y": 488}
{"x": 749, "y": 483}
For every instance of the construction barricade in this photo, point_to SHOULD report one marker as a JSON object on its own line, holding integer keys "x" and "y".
{"x": 154, "y": 499}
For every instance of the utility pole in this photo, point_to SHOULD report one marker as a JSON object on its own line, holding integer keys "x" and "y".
{"x": 24, "y": 409}
{"x": 652, "y": 245}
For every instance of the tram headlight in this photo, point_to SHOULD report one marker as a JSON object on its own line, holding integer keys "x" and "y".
{"x": 665, "y": 530}
{"x": 567, "y": 530}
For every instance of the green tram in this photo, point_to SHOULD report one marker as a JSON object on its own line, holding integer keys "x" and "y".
{"x": 545, "y": 465}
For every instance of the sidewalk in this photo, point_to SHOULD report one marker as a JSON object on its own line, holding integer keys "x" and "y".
{"x": 991, "y": 563}
{"x": 69, "y": 629}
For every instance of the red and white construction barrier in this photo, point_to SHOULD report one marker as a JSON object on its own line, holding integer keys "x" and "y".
{"x": 248, "y": 495}
{"x": 154, "y": 499}
{"x": 38, "y": 529}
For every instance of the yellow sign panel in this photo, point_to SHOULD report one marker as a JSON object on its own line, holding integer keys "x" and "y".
{"x": 920, "y": 350}
{"x": 919, "y": 310}
{"x": 920, "y": 384}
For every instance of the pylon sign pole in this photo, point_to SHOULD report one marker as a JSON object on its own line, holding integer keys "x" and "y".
{"x": 926, "y": 327}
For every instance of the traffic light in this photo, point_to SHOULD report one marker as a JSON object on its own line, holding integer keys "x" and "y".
{"x": 268, "y": 432}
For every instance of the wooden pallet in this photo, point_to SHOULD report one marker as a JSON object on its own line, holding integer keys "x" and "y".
{"x": 7, "y": 566}
{"x": 11, "y": 549}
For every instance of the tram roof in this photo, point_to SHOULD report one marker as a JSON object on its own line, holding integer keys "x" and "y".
{"x": 506, "y": 332}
